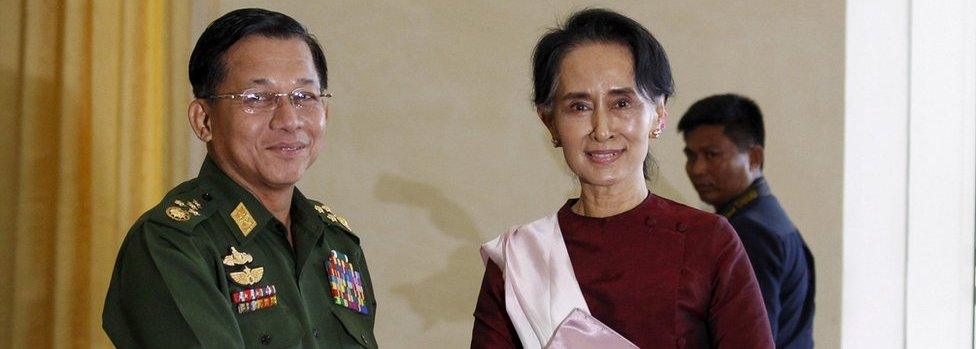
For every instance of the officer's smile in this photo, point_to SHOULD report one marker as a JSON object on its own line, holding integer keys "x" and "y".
{"x": 288, "y": 149}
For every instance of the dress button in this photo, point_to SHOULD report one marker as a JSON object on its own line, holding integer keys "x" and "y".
{"x": 649, "y": 222}
{"x": 206, "y": 196}
{"x": 680, "y": 227}
{"x": 266, "y": 339}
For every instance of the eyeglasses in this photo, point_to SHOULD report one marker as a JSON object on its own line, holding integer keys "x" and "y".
{"x": 260, "y": 102}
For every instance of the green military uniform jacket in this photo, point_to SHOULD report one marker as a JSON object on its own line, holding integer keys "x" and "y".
{"x": 210, "y": 267}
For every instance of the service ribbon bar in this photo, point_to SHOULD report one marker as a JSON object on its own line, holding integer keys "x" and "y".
{"x": 258, "y": 304}
{"x": 346, "y": 283}
{"x": 255, "y": 298}
{"x": 253, "y": 294}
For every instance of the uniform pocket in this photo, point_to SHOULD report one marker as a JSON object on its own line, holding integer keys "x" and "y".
{"x": 276, "y": 326}
{"x": 358, "y": 325}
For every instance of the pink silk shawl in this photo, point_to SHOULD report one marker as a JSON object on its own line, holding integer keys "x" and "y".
{"x": 542, "y": 296}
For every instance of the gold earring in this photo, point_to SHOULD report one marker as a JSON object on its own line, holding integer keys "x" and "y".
{"x": 656, "y": 133}
{"x": 555, "y": 142}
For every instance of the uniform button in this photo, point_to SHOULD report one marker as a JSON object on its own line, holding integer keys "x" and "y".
{"x": 266, "y": 339}
{"x": 365, "y": 339}
{"x": 679, "y": 227}
{"x": 206, "y": 196}
{"x": 315, "y": 332}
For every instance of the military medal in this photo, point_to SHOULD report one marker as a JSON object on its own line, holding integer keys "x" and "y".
{"x": 237, "y": 258}
{"x": 250, "y": 299}
{"x": 247, "y": 276}
{"x": 346, "y": 283}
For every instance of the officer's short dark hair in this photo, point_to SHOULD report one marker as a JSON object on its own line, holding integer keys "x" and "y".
{"x": 207, "y": 65}
{"x": 739, "y": 115}
{"x": 651, "y": 69}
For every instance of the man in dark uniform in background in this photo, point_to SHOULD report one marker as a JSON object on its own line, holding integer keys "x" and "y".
{"x": 724, "y": 140}
{"x": 239, "y": 257}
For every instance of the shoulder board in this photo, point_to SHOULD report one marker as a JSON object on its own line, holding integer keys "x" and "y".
{"x": 333, "y": 219}
{"x": 183, "y": 208}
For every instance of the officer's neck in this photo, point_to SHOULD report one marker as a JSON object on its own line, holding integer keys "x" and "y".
{"x": 275, "y": 198}
{"x": 278, "y": 202}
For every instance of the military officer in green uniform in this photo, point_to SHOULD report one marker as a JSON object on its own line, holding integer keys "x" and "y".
{"x": 238, "y": 257}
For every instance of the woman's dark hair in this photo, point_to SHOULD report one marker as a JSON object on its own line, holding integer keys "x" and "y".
{"x": 652, "y": 73}
{"x": 207, "y": 66}
{"x": 738, "y": 115}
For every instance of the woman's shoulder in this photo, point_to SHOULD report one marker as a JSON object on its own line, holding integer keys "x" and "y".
{"x": 697, "y": 226}
{"x": 537, "y": 233}
{"x": 684, "y": 218}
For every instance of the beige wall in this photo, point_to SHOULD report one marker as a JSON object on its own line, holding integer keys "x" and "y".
{"x": 433, "y": 146}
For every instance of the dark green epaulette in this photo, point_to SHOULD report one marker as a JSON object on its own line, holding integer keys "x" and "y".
{"x": 183, "y": 208}
{"x": 330, "y": 218}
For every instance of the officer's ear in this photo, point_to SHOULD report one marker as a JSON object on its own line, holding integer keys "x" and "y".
{"x": 199, "y": 120}
{"x": 756, "y": 158}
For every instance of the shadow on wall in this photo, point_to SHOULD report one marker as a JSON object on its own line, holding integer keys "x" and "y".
{"x": 439, "y": 297}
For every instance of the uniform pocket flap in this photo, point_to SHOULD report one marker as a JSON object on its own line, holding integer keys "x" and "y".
{"x": 356, "y": 324}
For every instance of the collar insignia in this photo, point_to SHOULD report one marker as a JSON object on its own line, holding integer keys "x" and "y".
{"x": 243, "y": 219}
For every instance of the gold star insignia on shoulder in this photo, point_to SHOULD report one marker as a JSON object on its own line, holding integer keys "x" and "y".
{"x": 237, "y": 258}
{"x": 243, "y": 219}
{"x": 247, "y": 276}
{"x": 344, "y": 222}
{"x": 177, "y": 214}
{"x": 338, "y": 219}
{"x": 182, "y": 211}
{"x": 322, "y": 208}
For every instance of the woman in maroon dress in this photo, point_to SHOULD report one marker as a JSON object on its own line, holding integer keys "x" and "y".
{"x": 619, "y": 266}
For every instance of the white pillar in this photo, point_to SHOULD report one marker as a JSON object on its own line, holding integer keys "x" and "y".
{"x": 909, "y": 174}
{"x": 875, "y": 173}
{"x": 942, "y": 160}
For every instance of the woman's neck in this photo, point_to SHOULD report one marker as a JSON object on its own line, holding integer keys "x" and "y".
{"x": 606, "y": 201}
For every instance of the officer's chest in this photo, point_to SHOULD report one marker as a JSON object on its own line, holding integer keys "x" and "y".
{"x": 318, "y": 295}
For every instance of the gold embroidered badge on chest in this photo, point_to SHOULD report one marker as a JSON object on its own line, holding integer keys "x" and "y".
{"x": 346, "y": 283}
{"x": 251, "y": 298}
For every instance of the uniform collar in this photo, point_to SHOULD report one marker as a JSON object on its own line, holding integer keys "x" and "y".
{"x": 228, "y": 196}
{"x": 303, "y": 214}
{"x": 757, "y": 189}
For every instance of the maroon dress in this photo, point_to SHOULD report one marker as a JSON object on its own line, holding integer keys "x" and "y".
{"x": 663, "y": 275}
